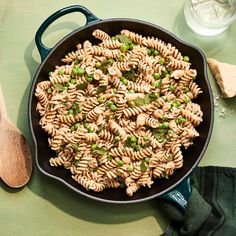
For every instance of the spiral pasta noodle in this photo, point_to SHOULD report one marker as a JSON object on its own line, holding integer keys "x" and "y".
{"x": 118, "y": 113}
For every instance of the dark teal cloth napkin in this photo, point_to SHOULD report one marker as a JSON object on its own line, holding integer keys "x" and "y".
{"x": 211, "y": 208}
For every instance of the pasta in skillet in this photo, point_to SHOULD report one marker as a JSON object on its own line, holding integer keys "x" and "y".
{"x": 118, "y": 113}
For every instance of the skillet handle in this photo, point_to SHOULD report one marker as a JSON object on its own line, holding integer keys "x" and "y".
{"x": 179, "y": 196}
{"x": 43, "y": 50}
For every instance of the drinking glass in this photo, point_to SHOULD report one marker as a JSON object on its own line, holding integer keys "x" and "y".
{"x": 209, "y": 17}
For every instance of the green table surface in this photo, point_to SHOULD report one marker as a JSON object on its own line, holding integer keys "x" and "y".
{"x": 46, "y": 207}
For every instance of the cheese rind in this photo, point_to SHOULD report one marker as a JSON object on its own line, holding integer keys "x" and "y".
{"x": 225, "y": 75}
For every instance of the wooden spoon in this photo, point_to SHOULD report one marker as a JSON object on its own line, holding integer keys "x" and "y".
{"x": 15, "y": 153}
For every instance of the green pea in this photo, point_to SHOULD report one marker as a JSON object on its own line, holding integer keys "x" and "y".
{"x": 186, "y": 59}
{"x": 167, "y": 75}
{"x": 80, "y": 71}
{"x": 76, "y": 61}
{"x": 187, "y": 100}
{"x": 156, "y": 76}
{"x": 61, "y": 72}
{"x": 122, "y": 185}
{"x": 145, "y": 138}
{"x": 132, "y": 104}
{"x": 117, "y": 139}
{"x": 98, "y": 64}
{"x": 110, "y": 61}
{"x": 50, "y": 73}
{"x": 70, "y": 112}
{"x": 94, "y": 146}
{"x": 90, "y": 130}
{"x": 125, "y": 81}
{"x": 113, "y": 107}
{"x": 120, "y": 163}
{"x": 115, "y": 90}
{"x": 156, "y": 95}
{"x": 124, "y": 48}
{"x": 133, "y": 139}
{"x": 86, "y": 125}
{"x": 178, "y": 103}
{"x": 130, "y": 169}
{"x": 147, "y": 159}
{"x": 180, "y": 120}
{"x": 113, "y": 37}
{"x": 49, "y": 90}
{"x": 162, "y": 61}
{"x": 89, "y": 78}
{"x": 131, "y": 91}
{"x": 100, "y": 100}
{"x": 133, "y": 145}
{"x": 109, "y": 103}
{"x": 122, "y": 78}
{"x": 165, "y": 125}
{"x": 156, "y": 84}
{"x": 73, "y": 81}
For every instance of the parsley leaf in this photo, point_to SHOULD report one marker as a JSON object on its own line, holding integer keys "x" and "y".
{"x": 81, "y": 86}
{"x": 101, "y": 89}
{"x": 124, "y": 39}
{"x": 59, "y": 87}
{"x": 143, "y": 167}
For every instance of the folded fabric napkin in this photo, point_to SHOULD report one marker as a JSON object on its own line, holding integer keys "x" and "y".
{"x": 211, "y": 208}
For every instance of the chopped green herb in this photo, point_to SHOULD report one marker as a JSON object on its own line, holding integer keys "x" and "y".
{"x": 72, "y": 128}
{"x": 138, "y": 148}
{"x": 59, "y": 87}
{"x": 101, "y": 89}
{"x": 121, "y": 58}
{"x": 146, "y": 138}
{"x": 81, "y": 86}
{"x": 109, "y": 157}
{"x": 172, "y": 88}
{"x": 90, "y": 130}
{"x": 124, "y": 39}
{"x": 122, "y": 185}
{"x": 100, "y": 151}
{"x": 165, "y": 125}
{"x": 75, "y": 147}
{"x": 76, "y": 61}
{"x": 77, "y": 125}
{"x": 110, "y": 61}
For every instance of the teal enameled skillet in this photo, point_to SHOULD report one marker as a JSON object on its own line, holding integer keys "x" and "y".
{"x": 177, "y": 188}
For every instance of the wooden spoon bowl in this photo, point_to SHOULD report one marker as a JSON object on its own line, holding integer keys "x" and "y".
{"x": 15, "y": 153}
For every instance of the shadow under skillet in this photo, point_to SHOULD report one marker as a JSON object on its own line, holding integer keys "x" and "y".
{"x": 61, "y": 196}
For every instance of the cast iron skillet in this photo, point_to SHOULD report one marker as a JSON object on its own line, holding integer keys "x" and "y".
{"x": 177, "y": 188}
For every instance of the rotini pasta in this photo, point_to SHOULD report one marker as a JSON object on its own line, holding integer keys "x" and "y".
{"x": 118, "y": 113}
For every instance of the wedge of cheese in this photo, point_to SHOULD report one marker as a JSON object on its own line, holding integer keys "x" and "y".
{"x": 225, "y": 75}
